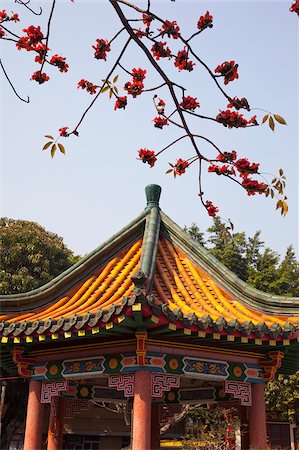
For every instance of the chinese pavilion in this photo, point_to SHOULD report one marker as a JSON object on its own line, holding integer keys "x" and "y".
{"x": 145, "y": 319}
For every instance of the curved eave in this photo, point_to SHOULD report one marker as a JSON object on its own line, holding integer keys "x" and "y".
{"x": 227, "y": 280}
{"x": 73, "y": 276}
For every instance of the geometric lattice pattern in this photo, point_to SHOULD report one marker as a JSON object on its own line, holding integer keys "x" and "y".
{"x": 122, "y": 382}
{"x": 239, "y": 390}
{"x": 164, "y": 382}
{"x": 52, "y": 389}
{"x": 73, "y": 406}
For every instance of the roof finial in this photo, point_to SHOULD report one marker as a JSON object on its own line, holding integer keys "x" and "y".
{"x": 153, "y": 192}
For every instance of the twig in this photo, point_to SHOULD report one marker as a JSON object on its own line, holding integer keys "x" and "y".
{"x": 47, "y": 37}
{"x": 102, "y": 87}
{"x": 12, "y": 86}
{"x": 20, "y": 2}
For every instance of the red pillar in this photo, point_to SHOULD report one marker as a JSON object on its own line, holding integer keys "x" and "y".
{"x": 141, "y": 430}
{"x": 155, "y": 427}
{"x": 257, "y": 418}
{"x": 55, "y": 432}
{"x": 34, "y": 418}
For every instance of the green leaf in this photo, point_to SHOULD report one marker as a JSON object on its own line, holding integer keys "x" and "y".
{"x": 47, "y": 145}
{"x": 271, "y": 123}
{"x": 279, "y": 119}
{"x": 48, "y": 136}
{"x": 265, "y": 118}
{"x": 53, "y": 150}
{"x": 61, "y": 148}
{"x": 115, "y": 79}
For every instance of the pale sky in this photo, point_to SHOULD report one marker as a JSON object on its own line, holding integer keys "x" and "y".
{"x": 98, "y": 187}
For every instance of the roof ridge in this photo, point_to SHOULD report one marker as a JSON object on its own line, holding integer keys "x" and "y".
{"x": 145, "y": 275}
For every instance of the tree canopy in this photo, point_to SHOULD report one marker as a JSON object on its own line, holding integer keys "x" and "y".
{"x": 30, "y": 256}
{"x": 248, "y": 258}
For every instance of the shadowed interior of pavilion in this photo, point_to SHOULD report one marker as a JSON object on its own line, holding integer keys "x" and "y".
{"x": 145, "y": 319}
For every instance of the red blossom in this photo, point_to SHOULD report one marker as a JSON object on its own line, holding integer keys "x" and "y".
{"x": 147, "y": 156}
{"x": 90, "y": 87}
{"x": 2, "y": 33}
{"x": 134, "y": 88}
{"x": 239, "y": 103}
{"x": 229, "y": 70}
{"x": 3, "y": 15}
{"x": 63, "y": 131}
{"x": 120, "y": 103}
{"x": 253, "y": 120}
{"x": 189, "y": 103}
{"x": 140, "y": 33}
{"x": 34, "y": 34}
{"x": 41, "y": 49}
{"x": 160, "y": 122}
{"x": 180, "y": 167}
{"x": 245, "y": 168}
{"x": 227, "y": 156}
{"x": 295, "y": 7}
{"x": 138, "y": 74}
{"x": 253, "y": 186}
{"x": 14, "y": 17}
{"x": 40, "y": 77}
{"x": 159, "y": 51}
{"x": 147, "y": 19}
{"x": 59, "y": 62}
{"x": 181, "y": 61}
{"x": 212, "y": 210}
{"x": 232, "y": 119}
{"x": 160, "y": 106}
{"x": 223, "y": 170}
{"x": 101, "y": 48}
{"x": 171, "y": 29}
{"x": 205, "y": 21}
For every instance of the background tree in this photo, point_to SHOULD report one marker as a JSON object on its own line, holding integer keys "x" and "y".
{"x": 246, "y": 256}
{"x": 30, "y": 257}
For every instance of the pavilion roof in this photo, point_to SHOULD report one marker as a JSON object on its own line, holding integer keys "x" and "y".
{"x": 153, "y": 263}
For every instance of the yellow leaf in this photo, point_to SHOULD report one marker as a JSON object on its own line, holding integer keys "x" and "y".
{"x": 47, "y": 145}
{"x": 105, "y": 89}
{"x": 115, "y": 79}
{"x": 168, "y": 171}
{"x": 53, "y": 150}
{"x": 279, "y": 119}
{"x": 271, "y": 123}
{"x": 61, "y": 148}
{"x": 265, "y": 118}
{"x": 48, "y": 136}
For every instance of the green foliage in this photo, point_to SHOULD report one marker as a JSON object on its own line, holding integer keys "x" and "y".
{"x": 30, "y": 256}
{"x": 246, "y": 257}
{"x": 282, "y": 395}
{"x": 195, "y": 234}
{"x": 206, "y": 428}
